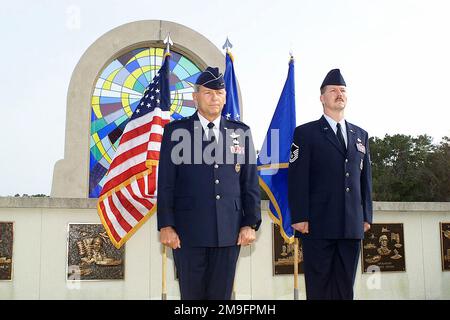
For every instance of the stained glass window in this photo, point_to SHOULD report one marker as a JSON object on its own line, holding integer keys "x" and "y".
{"x": 116, "y": 95}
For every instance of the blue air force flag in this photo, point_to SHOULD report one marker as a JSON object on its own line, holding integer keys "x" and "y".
{"x": 231, "y": 108}
{"x": 273, "y": 160}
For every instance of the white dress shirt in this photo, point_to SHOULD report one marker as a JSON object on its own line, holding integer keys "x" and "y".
{"x": 333, "y": 126}
{"x": 216, "y": 128}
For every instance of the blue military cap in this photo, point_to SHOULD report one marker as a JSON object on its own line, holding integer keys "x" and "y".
{"x": 334, "y": 77}
{"x": 211, "y": 78}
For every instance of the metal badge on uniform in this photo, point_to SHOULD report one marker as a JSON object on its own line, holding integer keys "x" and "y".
{"x": 234, "y": 136}
{"x": 361, "y": 164}
{"x": 294, "y": 153}
{"x": 237, "y": 167}
{"x": 236, "y": 148}
{"x": 361, "y": 148}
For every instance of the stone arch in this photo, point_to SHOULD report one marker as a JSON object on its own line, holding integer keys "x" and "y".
{"x": 71, "y": 174}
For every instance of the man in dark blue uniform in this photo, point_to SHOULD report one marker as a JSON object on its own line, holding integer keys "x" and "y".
{"x": 208, "y": 193}
{"x": 330, "y": 199}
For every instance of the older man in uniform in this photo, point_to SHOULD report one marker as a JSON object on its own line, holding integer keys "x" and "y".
{"x": 330, "y": 194}
{"x": 207, "y": 207}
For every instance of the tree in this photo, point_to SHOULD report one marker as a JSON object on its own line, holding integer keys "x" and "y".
{"x": 439, "y": 164}
{"x": 410, "y": 169}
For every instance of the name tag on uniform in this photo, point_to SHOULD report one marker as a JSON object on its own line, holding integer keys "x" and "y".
{"x": 361, "y": 148}
{"x": 236, "y": 148}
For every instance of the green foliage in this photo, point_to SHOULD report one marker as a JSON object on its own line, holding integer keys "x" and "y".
{"x": 409, "y": 168}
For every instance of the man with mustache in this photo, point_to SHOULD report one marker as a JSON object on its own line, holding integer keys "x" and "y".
{"x": 329, "y": 189}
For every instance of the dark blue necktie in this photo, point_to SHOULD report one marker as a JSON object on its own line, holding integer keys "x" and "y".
{"x": 340, "y": 137}
{"x": 211, "y": 135}
{"x": 212, "y": 138}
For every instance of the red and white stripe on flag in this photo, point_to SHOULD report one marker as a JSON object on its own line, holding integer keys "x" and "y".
{"x": 128, "y": 196}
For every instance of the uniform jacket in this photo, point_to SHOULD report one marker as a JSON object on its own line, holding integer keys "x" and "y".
{"x": 208, "y": 203}
{"x": 329, "y": 188}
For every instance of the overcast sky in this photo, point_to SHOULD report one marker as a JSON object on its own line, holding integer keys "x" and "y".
{"x": 394, "y": 56}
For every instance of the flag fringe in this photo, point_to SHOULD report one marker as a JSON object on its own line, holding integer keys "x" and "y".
{"x": 130, "y": 233}
{"x": 140, "y": 223}
{"x": 273, "y": 166}
{"x": 230, "y": 55}
{"x": 278, "y": 221}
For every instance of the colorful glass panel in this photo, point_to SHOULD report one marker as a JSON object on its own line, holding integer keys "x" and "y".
{"x": 118, "y": 91}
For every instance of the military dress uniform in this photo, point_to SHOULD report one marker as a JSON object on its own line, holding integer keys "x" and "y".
{"x": 329, "y": 186}
{"x": 207, "y": 201}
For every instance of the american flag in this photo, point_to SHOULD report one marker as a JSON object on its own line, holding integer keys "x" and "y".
{"x": 128, "y": 196}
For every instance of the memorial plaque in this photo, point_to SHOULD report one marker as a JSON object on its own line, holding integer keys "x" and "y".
{"x": 283, "y": 254}
{"x": 6, "y": 250}
{"x": 91, "y": 255}
{"x": 384, "y": 247}
{"x": 445, "y": 245}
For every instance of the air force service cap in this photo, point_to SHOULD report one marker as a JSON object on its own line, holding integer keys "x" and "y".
{"x": 211, "y": 78}
{"x": 333, "y": 77}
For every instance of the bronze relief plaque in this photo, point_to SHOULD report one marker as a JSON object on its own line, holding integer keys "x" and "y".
{"x": 91, "y": 255}
{"x": 384, "y": 247}
{"x": 283, "y": 254}
{"x": 6, "y": 250}
{"x": 445, "y": 245}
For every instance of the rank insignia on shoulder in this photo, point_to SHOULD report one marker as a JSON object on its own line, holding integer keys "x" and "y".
{"x": 361, "y": 148}
{"x": 294, "y": 153}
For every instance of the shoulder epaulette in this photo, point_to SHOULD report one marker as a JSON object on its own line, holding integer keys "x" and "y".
{"x": 176, "y": 121}
{"x": 238, "y": 122}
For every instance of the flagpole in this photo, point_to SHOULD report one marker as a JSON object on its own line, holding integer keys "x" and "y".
{"x": 227, "y": 46}
{"x": 164, "y": 266}
{"x": 296, "y": 269}
{"x": 168, "y": 42}
{"x": 295, "y": 239}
